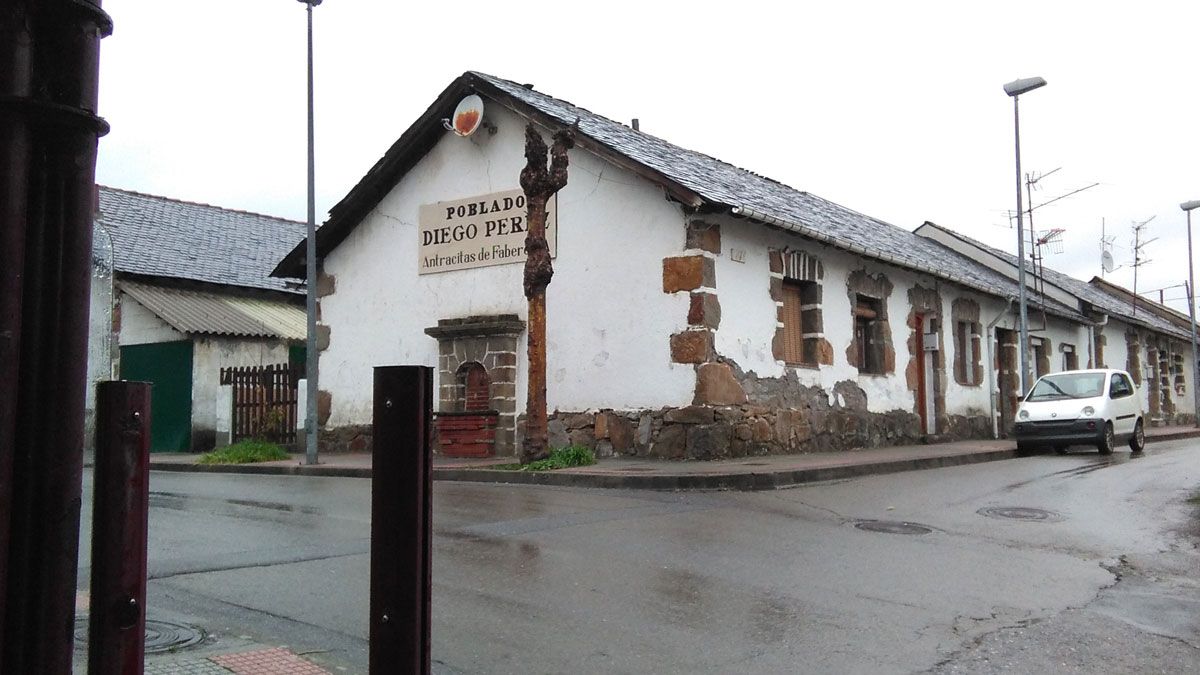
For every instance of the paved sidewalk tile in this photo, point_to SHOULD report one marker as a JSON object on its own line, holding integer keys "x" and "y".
{"x": 185, "y": 667}
{"x": 274, "y": 661}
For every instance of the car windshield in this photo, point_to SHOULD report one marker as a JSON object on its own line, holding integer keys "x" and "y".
{"x": 1067, "y": 385}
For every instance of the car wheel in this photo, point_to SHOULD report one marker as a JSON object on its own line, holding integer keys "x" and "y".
{"x": 1060, "y": 449}
{"x": 1137, "y": 442}
{"x": 1107, "y": 441}
{"x": 1024, "y": 449}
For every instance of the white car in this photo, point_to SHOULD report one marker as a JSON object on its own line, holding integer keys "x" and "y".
{"x": 1078, "y": 407}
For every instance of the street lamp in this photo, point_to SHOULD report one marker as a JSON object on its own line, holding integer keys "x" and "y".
{"x": 1015, "y": 89}
{"x": 1187, "y": 208}
{"x": 310, "y": 268}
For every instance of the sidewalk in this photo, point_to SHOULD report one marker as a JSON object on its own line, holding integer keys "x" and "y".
{"x": 747, "y": 473}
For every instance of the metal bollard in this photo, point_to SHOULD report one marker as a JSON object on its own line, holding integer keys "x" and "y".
{"x": 401, "y": 533}
{"x": 117, "y": 631}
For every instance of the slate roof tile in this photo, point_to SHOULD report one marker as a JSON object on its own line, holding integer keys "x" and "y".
{"x": 725, "y": 184}
{"x": 161, "y": 237}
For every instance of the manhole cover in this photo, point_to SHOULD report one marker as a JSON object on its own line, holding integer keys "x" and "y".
{"x": 892, "y": 527}
{"x": 1019, "y": 513}
{"x": 161, "y": 636}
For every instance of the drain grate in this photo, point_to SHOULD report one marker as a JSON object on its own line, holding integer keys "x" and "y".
{"x": 1019, "y": 513}
{"x": 161, "y": 636}
{"x": 892, "y": 527}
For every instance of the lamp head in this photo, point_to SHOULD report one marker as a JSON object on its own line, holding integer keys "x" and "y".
{"x": 312, "y": 3}
{"x": 1188, "y": 206}
{"x": 1018, "y": 87}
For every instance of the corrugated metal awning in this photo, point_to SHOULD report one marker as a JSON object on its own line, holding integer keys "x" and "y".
{"x": 191, "y": 311}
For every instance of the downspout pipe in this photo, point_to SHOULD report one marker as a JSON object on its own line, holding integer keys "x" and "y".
{"x": 992, "y": 396}
{"x": 1095, "y": 358}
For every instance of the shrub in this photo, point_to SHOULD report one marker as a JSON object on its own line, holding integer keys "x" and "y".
{"x": 245, "y": 452}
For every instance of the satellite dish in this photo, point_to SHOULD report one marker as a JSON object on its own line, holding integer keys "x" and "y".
{"x": 1106, "y": 261}
{"x": 467, "y": 116}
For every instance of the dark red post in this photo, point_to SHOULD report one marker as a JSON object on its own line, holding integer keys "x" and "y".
{"x": 49, "y": 66}
{"x": 121, "y": 501}
{"x": 400, "y": 520}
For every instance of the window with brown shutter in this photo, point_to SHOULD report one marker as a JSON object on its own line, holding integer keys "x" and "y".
{"x": 794, "y": 324}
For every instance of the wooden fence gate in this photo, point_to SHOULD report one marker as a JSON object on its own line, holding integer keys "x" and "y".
{"x": 264, "y": 402}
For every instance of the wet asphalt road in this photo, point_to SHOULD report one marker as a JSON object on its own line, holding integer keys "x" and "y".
{"x": 548, "y": 580}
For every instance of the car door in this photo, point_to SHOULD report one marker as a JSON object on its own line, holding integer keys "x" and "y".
{"x": 1120, "y": 395}
{"x": 1133, "y": 403}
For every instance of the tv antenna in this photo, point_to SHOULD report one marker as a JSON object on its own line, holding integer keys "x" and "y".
{"x": 1138, "y": 260}
{"x": 1107, "y": 263}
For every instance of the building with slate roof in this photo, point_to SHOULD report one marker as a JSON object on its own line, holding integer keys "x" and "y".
{"x": 1151, "y": 341}
{"x": 181, "y": 290}
{"x": 697, "y": 309}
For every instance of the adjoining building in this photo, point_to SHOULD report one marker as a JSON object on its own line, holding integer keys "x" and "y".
{"x": 179, "y": 291}
{"x": 697, "y": 309}
{"x": 1146, "y": 338}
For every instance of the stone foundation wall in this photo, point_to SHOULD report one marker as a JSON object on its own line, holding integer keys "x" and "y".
{"x": 780, "y": 416}
{"x": 350, "y": 438}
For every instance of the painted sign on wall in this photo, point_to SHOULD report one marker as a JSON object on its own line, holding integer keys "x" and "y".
{"x": 478, "y": 232}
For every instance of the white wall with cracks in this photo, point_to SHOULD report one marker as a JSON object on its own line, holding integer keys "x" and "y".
{"x": 608, "y": 322}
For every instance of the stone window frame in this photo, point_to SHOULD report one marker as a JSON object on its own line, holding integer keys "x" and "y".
{"x": 968, "y": 360}
{"x": 878, "y": 289}
{"x": 868, "y": 334}
{"x": 1070, "y": 356}
{"x": 966, "y": 353}
{"x": 803, "y": 274}
{"x": 1039, "y": 351}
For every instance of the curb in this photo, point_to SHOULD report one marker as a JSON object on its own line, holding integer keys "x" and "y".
{"x": 747, "y": 481}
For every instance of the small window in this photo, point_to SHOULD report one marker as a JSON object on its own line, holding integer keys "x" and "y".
{"x": 1070, "y": 358}
{"x": 1040, "y": 362}
{"x": 964, "y": 353}
{"x": 867, "y": 334}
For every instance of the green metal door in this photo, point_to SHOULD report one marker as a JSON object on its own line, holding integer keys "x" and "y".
{"x": 168, "y": 366}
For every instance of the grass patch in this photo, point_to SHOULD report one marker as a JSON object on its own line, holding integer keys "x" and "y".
{"x": 562, "y": 458}
{"x": 244, "y": 452}
{"x": 1195, "y": 499}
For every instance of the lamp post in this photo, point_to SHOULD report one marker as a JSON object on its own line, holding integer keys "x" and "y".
{"x": 1015, "y": 89}
{"x": 1187, "y": 208}
{"x": 310, "y": 269}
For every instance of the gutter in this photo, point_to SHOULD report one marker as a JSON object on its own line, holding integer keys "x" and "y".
{"x": 855, "y": 248}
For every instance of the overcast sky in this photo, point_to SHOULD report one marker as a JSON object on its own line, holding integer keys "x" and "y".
{"x": 894, "y": 109}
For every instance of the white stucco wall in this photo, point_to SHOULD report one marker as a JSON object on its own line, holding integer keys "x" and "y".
{"x": 608, "y": 324}
{"x": 140, "y": 326}
{"x": 209, "y": 356}
{"x": 748, "y": 318}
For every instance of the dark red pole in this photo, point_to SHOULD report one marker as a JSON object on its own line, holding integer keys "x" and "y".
{"x": 400, "y": 520}
{"x": 121, "y": 502}
{"x": 49, "y": 68}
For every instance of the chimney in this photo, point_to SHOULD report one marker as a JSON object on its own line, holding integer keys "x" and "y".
{"x": 636, "y": 125}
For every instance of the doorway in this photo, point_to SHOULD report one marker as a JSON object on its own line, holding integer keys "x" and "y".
{"x": 167, "y": 366}
{"x": 1008, "y": 379}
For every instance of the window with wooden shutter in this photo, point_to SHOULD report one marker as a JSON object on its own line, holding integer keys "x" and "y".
{"x": 793, "y": 323}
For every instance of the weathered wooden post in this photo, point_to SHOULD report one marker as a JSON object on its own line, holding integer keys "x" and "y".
{"x": 401, "y": 533}
{"x": 539, "y": 185}
{"x": 121, "y": 503}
